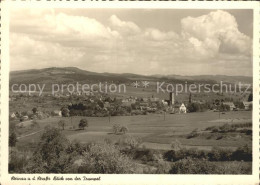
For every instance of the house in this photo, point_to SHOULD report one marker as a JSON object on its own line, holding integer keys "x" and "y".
{"x": 154, "y": 99}
{"x": 127, "y": 102}
{"x": 247, "y": 105}
{"x": 230, "y": 104}
{"x": 13, "y": 115}
{"x": 182, "y": 109}
{"x": 57, "y": 113}
{"x": 165, "y": 103}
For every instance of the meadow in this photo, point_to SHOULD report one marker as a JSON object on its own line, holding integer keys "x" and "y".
{"x": 155, "y": 131}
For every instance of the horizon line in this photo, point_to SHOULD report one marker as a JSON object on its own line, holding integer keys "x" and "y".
{"x": 163, "y": 75}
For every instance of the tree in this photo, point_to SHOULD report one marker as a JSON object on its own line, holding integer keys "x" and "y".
{"x": 132, "y": 142}
{"x": 116, "y": 128}
{"x": 65, "y": 112}
{"x": 176, "y": 145}
{"x": 224, "y": 107}
{"x": 124, "y": 129}
{"x": 83, "y": 123}
{"x": 12, "y": 139}
{"x": 250, "y": 97}
{"x": 62, "y": 124}
{"x": 193, "y": 107}
{"x": 190, "y": 98}
{"x": 51, "y": 155}
{"x": 34, "y": 110}
{"x": 105, "y": 159}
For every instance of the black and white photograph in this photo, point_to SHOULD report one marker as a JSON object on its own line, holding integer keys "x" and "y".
{"x": 131, "y": 91}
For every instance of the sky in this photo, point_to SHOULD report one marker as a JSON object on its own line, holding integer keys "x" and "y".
{"x": 140, "y": 41}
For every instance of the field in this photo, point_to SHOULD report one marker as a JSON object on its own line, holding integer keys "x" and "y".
{"x": 156, "y": 131}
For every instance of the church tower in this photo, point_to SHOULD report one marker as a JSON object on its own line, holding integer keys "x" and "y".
{"x": 171, "y": 98}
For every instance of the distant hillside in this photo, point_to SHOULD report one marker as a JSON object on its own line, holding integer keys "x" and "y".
{"x": 216, "y": 78}
{"x": 73, "y": 75}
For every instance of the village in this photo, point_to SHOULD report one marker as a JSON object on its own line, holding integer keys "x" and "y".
{"x": 102, "y": 105}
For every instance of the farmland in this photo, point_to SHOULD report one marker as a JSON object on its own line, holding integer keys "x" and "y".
{"x": 155, "y": 130}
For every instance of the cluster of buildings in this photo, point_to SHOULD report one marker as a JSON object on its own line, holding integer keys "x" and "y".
{"x": 174, "y": 107}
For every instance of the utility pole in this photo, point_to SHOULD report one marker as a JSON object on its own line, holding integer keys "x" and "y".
{"x": 164, "y": 115}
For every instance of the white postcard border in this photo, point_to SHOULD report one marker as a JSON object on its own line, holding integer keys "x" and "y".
{"x": 133, "y": 178}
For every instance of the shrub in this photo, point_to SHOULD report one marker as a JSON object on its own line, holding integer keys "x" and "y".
{"x": 198, "y": 166}
{"x": 163, "y": 167}
{"x": 12, "y": 139}
{"x": 116, "y": 128}
{"x": 17, "y": 162}
{"x": 105, "y": 159}
{"x": 83, "y": 123}
{"x": 51, "y": 154}
{"x": 226, "y": 128}
{"x": 132, "y": 142}
{"x": 170, "y": 156}
{"x": 176, "y": 145}
{"x": 193, "y": 134}
{"x": 192, "y": 166}
{"x": 229, "y": 127}
{"x": 234, "y": 168}
{"x": 216, "y": 154}
{"x": 243, "y": 153}
{"x": 124, "y": 129}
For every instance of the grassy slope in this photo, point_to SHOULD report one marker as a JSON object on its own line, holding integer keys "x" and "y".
{"x": 153, "y": 129}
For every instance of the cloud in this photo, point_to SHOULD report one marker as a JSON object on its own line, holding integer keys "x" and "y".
{"x": 124, "y": 27}
{"x": 216, "y": 31}
{"x": 158, "y": 35}
{"x": 27, "y": 53}
{"x": 58, "y": 27}
{"x": 54, "y": 38}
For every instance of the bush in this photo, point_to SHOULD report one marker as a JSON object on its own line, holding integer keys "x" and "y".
{"x": 147, "y": 155}
{"x": 17, "y": 162}
{"x": 105, "y": 159}
{"x": 216, "y": 154}
{"x": 176, "y": 145}
{"x": 198, "y": 166}
{"x": 192, "y": 166}
{"x": 83, "y": 123}
{"x": 132, "y": 142}
{"x": 116, "y": 128}
{"x": 163, "y": 167}
{"x": 228, "y": 127}
{"x": 243, "y": 153}
{"x": 12, "y": 139}
{"x": 193, "y": 134}
{"x": 51, "y": 154}
{"x": 124, "y": 129}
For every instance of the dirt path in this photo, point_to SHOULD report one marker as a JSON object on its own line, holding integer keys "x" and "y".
{"x": 29, "y": 134}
